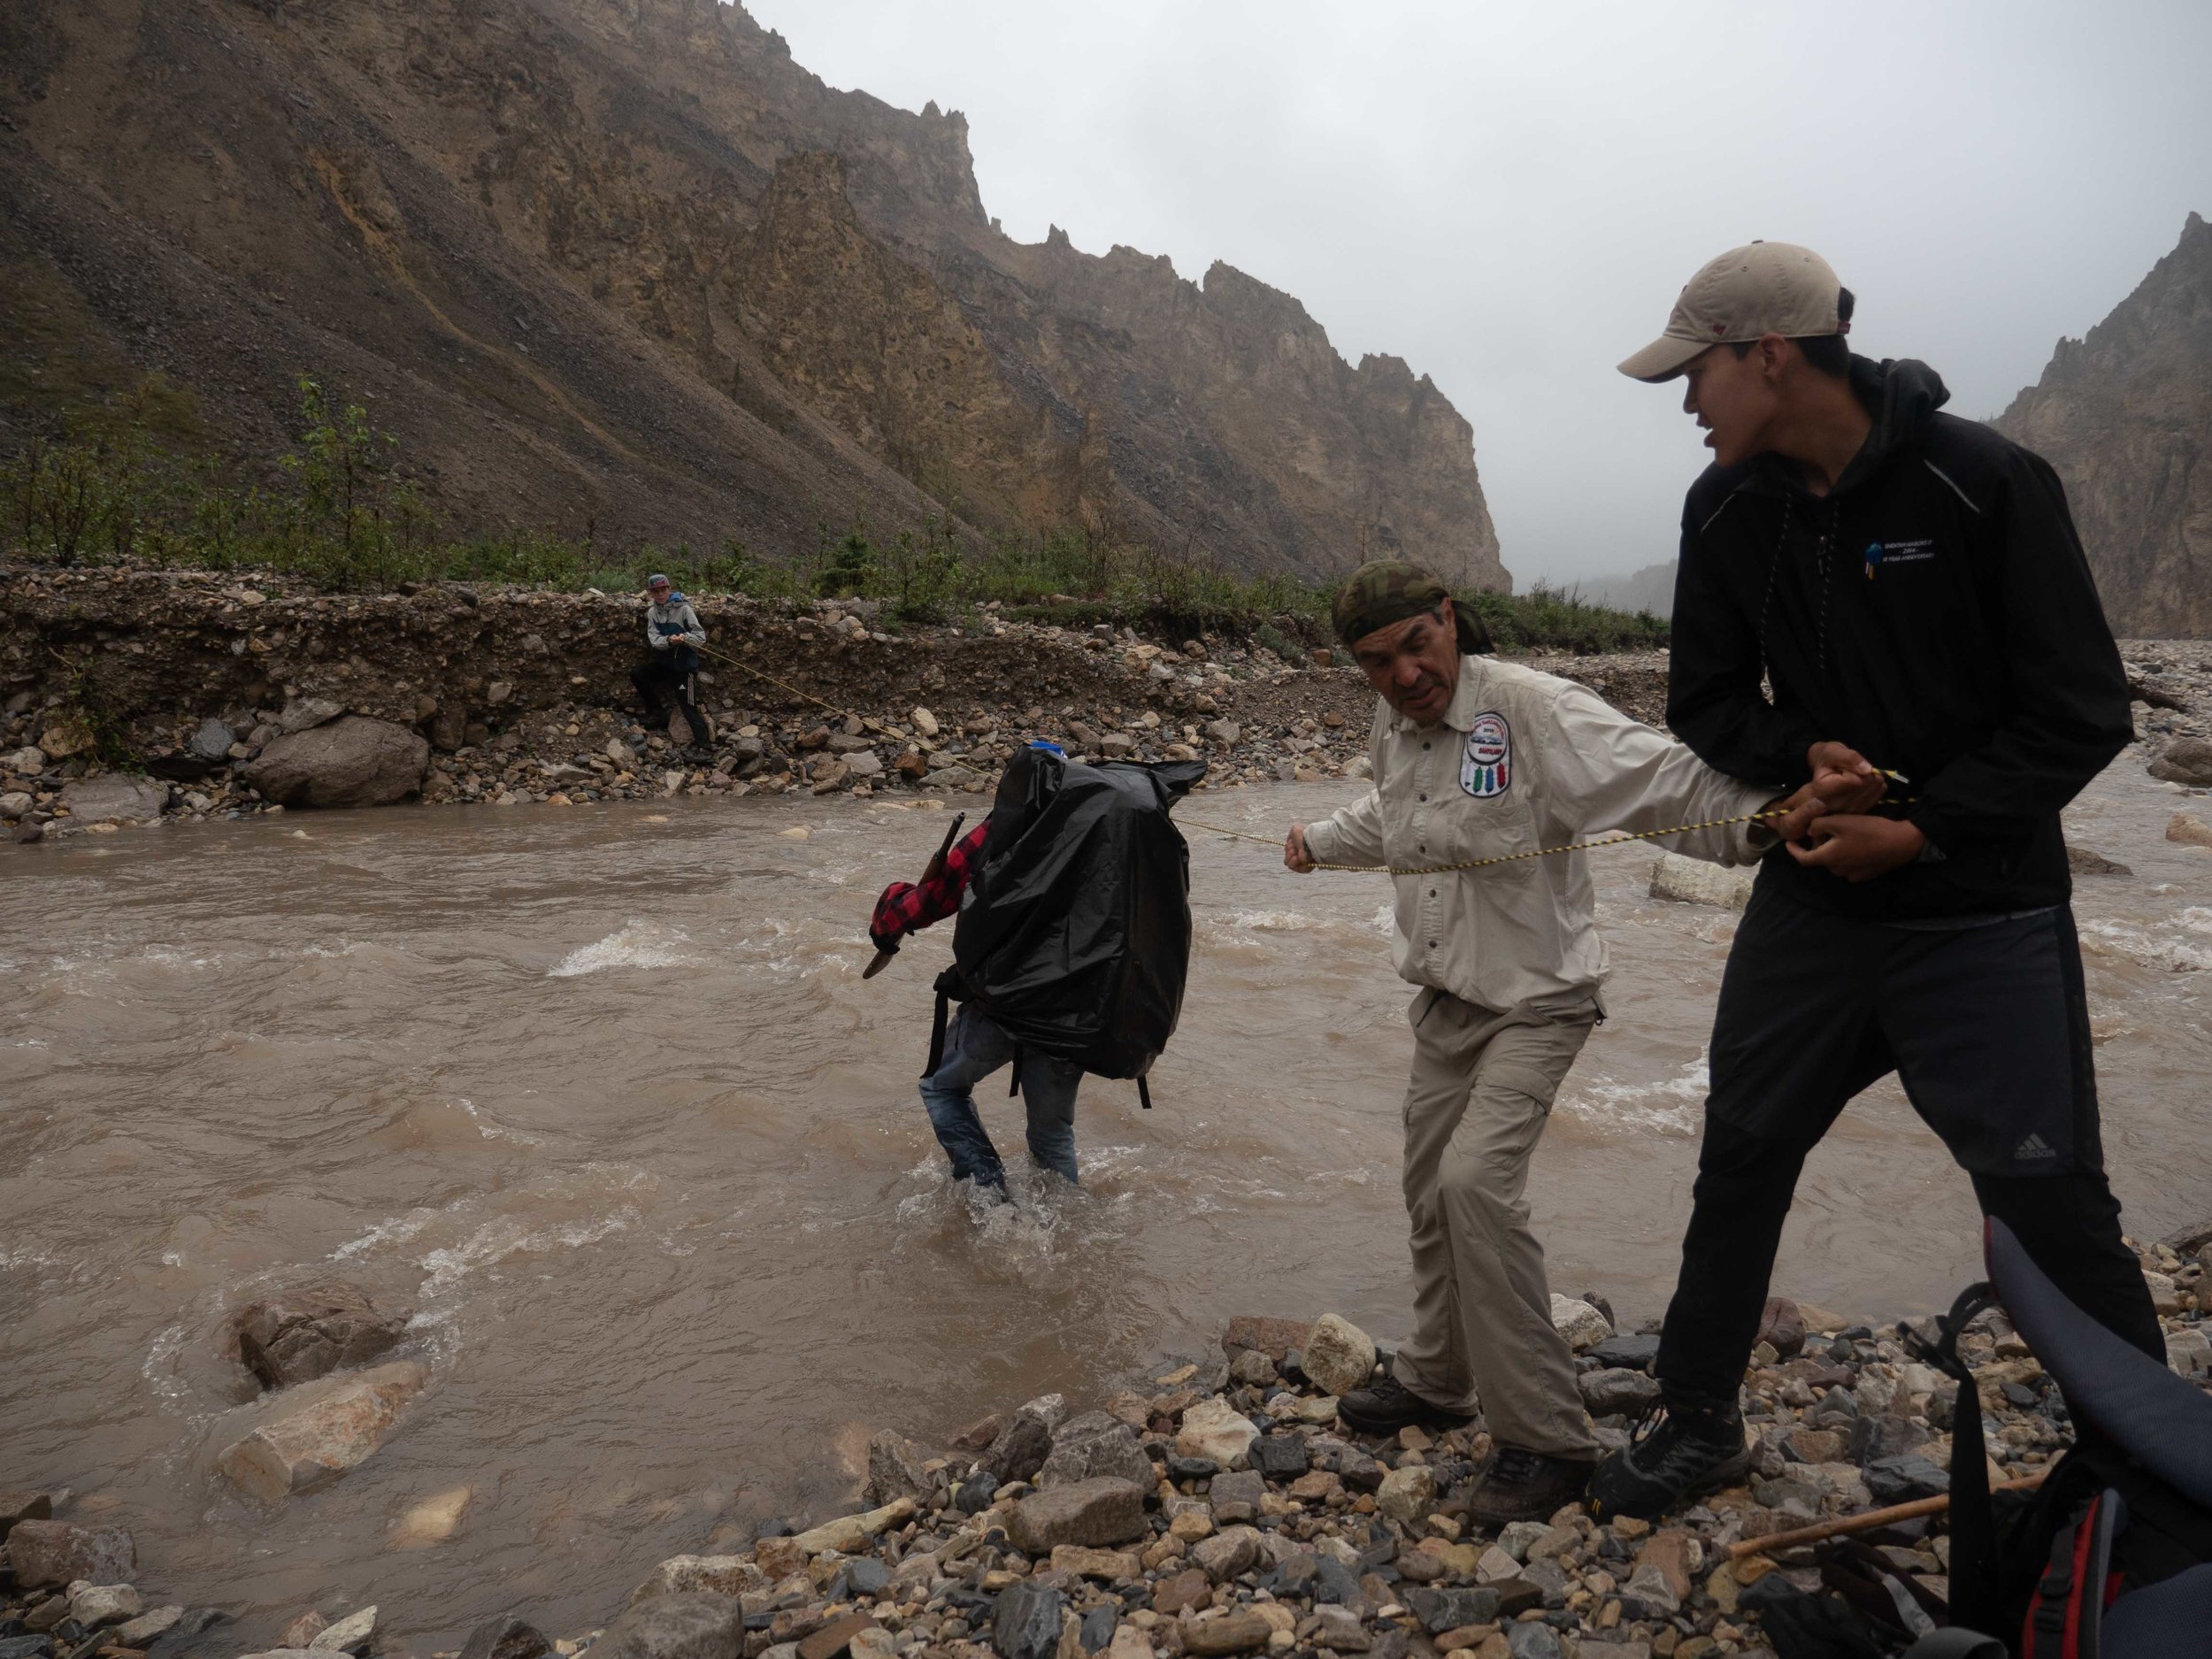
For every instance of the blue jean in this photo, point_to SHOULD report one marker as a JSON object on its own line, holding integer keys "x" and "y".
{"x": 974, "y": 1048}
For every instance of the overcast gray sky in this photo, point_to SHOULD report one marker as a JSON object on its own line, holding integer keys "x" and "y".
{"x": 1508, "y": 196}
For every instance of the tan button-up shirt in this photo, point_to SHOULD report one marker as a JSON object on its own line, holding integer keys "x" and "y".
{"x": 1520, "y": 760}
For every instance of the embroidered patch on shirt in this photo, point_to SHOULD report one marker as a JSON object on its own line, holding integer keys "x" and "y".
{"x": 1486, "y": 768}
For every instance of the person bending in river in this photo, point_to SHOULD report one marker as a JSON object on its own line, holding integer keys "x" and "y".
{"x": 1910, "y": 586}
{"x": 1476, "y": 759}
{"x": 673, "y": 631}
{"x": 974, "y": 1046}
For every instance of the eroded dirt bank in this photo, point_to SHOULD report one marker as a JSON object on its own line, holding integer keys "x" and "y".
{"x": 522, "y": 695}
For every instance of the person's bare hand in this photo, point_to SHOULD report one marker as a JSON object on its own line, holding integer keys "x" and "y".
{"x": 1858, "y": 848}
{"x": 1798, "y": 808}
{"x": 1294, "y": 853}
{"x": 1844, "y": 779}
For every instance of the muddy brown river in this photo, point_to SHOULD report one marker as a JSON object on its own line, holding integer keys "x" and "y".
{"x": 600, "y": 1094}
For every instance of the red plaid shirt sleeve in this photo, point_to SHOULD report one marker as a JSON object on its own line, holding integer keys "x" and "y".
{"x": 906, "y": 908}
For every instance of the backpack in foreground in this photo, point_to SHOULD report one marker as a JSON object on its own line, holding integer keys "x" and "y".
{"x": 1074, "y": 934}
{"x": 2111, "y": 1557}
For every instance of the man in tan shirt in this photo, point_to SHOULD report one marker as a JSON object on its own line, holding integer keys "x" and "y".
{"x": 1474, "y": 759}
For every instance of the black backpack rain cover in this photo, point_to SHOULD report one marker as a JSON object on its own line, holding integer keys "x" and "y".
{"x": 1074, "y": 935}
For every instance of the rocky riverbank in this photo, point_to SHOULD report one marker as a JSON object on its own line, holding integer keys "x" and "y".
{"x": 136, "y": 696}
{"x": 1214, "y": 1507}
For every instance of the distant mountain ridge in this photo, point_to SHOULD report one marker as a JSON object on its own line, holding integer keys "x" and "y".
{"x": 624, "y": 263}
{"x": 1650, "y": 588}
{"x": 2124, "y": 414}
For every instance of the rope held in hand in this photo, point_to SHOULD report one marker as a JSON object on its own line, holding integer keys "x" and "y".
{"x": 1622, "y": 838}
{"x": 819, "y": 702}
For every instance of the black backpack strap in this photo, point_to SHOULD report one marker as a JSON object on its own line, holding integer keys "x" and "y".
{"x": 1144, "y": 1094}
{"x": 1973, "y": 1525}
{"x": 936, "y": 1036}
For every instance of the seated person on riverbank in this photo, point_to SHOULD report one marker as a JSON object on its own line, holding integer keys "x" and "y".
{"x": 673, "y": 631}
{"x": 1476, "y": 759}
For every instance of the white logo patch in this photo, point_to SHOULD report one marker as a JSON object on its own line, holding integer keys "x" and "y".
{"x": 1486, "y": 767}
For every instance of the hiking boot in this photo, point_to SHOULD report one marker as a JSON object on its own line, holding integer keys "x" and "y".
{"x": 1390, "y": 1405}
{"x": 1678, "y": 1453}
{"x": 1516, "y": 1484}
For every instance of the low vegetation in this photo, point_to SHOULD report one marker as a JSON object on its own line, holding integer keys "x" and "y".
{"x": 138, "y": 482}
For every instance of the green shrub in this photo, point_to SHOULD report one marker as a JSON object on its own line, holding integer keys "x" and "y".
{"x": 136, "y": 479}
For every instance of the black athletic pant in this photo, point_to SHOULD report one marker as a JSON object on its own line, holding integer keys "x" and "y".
{"x": 1988, "y": 1028}
{"x": 662, "y": 675}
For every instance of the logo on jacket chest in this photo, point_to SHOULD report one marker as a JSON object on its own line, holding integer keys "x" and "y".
{"x": 1911, "y": 552}
{"x": 1486, "y": 767}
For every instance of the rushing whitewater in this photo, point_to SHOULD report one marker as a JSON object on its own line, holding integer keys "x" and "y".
{"x": 600, "y": 1096}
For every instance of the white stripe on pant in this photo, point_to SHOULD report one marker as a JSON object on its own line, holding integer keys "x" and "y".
{"x": 1479, "y": 1095}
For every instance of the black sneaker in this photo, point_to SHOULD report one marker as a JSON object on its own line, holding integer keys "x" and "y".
{"x": 1676, "y": 1453}
{"x": 1390, "y": 1405}
{"x": 1516, "y": 1485}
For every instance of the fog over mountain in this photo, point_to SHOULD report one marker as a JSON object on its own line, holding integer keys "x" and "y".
{"x": 1509, "y": 199}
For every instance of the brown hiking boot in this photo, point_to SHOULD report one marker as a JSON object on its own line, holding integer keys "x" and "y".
{"x": 1390, "y": 1405}
{"x": 1515, "y": 1484}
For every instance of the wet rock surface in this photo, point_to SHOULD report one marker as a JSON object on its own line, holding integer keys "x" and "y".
{"x": 1298, "y": 1539}
{"x": 311, "y": 1441}
{"x": 309, "y": 1332}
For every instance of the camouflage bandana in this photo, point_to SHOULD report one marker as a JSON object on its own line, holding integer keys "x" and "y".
{"x": 1384, "y": 591}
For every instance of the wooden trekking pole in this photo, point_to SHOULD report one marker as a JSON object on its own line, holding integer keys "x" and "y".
{"x": 1867, "y": 1522}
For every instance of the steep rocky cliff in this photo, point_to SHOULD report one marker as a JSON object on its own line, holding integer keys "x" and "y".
{"x": 623, "y": 264}
{"x": 2125, "y": 416}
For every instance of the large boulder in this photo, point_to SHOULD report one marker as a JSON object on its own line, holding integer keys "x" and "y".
{"x": 63, "y": 733}
{"x": 321, "y": 1437}
{"x": 1099, "y": 1513}
{"x": 306, "y": 714}
{"x": 677, "y": 1627}
{"x": 1694, "y": 881}
{"x": 351, "y": 761}
{"x": 114, "y": 799}
{"x": 56, "y": 1552}
{"x": 1339, "y": 1356}
{"x": 1021, "y": 1448}
{"x": 210, "y": 740}
{"x": 848, "y": 1534}
{"x": 1276, "y": 1338}
{"x": 310, "y": 1331}
{"x": 93, "y": 1605}
{"x": 506, "y": 1636}
{"x": 1091, "y": 1445}
{"x": 1583, "y": 1325}
{"x": 1214, "y": 1429}
{"x": 2184, "y": 760}
{"x": 895, "y": 1470}
{"x": 701, "y": 1575}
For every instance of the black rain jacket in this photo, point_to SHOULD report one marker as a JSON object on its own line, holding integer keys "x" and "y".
{"x": 1935, "y": 611}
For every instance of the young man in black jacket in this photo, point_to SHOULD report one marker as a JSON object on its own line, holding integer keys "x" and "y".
{"x": 1910, "y": 587}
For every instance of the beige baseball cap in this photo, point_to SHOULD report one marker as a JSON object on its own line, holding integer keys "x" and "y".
{"x": 1764, "y": 288}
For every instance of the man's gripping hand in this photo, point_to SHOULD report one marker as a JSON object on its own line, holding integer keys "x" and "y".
{"x": 1859, "y": 848}
{"x": 1844, "y": 780}
{"x": 1294, "y": 853}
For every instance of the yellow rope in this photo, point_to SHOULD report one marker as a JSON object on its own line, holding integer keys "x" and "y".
{"x": 1621, "y": 840}
{"x": 747, "y": 668}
